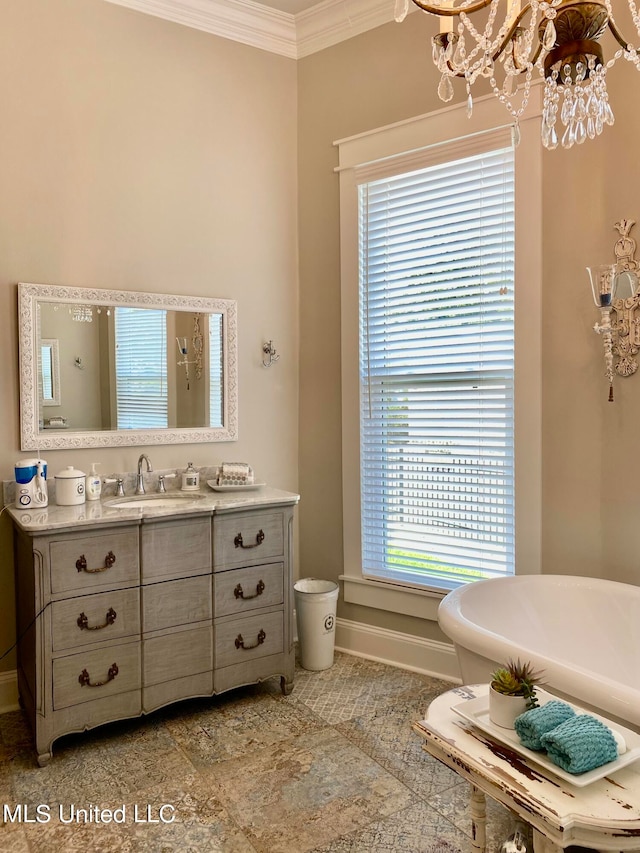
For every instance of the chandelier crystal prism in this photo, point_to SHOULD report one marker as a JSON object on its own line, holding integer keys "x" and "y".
{"x": 557, "y": 39}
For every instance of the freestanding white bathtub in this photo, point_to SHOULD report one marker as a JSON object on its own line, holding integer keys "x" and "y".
{"x": 583, "y": 633}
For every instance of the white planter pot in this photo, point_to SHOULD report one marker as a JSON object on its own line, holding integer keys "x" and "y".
{"x": 503, "y": 709}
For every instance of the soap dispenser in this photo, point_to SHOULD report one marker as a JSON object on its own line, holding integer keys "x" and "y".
{"x": 93, "y": 484}
{"x": 190, "y": 479}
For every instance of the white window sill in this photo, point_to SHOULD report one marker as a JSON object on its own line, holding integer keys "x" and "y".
{"x": 391, "y": 597}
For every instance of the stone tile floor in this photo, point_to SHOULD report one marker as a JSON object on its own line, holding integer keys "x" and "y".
{"x": 333, "y": 768}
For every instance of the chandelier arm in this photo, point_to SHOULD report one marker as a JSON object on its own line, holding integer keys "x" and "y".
{"x": 437, "y": 10}
{"x": 501, "y": 47}
{"x": 508, "y": 38}
{"x": 520, "y": 68}
{"x": 615, "y": 32}
{"x": 443, "y": 11}
{"x": 516, "y": 64}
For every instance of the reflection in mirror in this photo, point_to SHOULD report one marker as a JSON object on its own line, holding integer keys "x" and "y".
{"x": 124, "y": 381}
{"x": 626, "y": 284}
{"x": 49, "y": 373}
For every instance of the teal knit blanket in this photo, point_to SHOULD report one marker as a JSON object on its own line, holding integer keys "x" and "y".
{"x": 536, "y": 722}
{"x": 579, "y": 744}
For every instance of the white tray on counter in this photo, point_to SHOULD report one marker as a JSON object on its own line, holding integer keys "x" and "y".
{"x": 246, "y": 488}
{"x": 476, "y": 711}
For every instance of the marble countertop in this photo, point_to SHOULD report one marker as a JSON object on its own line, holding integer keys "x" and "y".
{"x": 204, "y": 501}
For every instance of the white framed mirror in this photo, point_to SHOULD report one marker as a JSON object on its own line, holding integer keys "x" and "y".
{"x": 132, "y": 368}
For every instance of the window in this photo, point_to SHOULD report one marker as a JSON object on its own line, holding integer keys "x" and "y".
{"x": 141, "y": 368}
{"x": 436, "y": 371}
{"x": 46, "y": 374}
{"x": 440, "y": 227}
{"x": 49, "y": 364}
{"x": 216, "y": 371}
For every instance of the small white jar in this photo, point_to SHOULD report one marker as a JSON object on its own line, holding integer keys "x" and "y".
{"x": 70, "y": 486}
{"x": 190, "y": 479}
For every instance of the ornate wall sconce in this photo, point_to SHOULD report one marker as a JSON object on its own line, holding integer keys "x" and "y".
{"x": 183, "y": 349}
{"x": 270, "y": 351}
{"x": 615, "y": 287}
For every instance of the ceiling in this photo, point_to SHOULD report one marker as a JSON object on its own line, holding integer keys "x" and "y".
{"x": 292, "y": 28}
{"x": 292, "y": 7}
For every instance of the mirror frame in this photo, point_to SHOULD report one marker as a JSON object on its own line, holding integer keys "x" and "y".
{"x": 32, "y": 438}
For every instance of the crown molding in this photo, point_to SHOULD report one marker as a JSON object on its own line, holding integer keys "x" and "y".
{"x": 238, "y": 20}
{"x": 333, "y": 21}
{"x": 294, "y": 36}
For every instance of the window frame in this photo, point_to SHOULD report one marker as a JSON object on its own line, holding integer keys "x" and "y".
{"x": 405, "y": 145}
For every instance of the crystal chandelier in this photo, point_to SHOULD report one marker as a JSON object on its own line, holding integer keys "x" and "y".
{"x": 558, "y": 38}
{"x": 81, "y": 313}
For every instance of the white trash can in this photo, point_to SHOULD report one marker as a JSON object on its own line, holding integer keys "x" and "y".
{"x": 316, "y": 602}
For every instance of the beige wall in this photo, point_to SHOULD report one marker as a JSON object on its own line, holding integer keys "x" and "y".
{"x": 80, "y": 401}
{"x": 589, "y": 501}
{"x": 138, "y": 154}
{"x": 358, "y": 85}
{"x": 590, "y": 469}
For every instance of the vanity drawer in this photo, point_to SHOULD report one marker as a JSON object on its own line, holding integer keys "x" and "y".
{"x": 176, "y": 549}
{"x": 247, "y": 538}
{"x": 92, "y": 561}
{"x": 242, "y": 590}
{"x": 172, "y": 603}
{"x": 86, "y": 676}
{"x": 244, "y": 640}
{"x": 176, "y": 655}
{"x": 95, "y": 618}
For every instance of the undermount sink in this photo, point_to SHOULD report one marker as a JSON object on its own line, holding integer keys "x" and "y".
{"x": 170, "y": 501}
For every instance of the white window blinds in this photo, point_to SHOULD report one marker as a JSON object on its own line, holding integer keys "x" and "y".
{"x": 436, "y": 371}
{"x": 46, "y": 373}
{"x": 216, "y": 374}
{"x": 141, "y": 368}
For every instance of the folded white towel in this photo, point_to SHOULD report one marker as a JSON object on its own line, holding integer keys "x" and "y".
{"x": 621, "y": 745}
{"x": 235, "y": 474}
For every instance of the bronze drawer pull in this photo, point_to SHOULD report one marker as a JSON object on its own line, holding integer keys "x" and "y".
{"x": 81, "y": 564}
{"x": 239, "y": 593}
{"x": 83, "y": 621}
{"x": 84, "y": 677}
{"x": 240, "y": 544}
{"x": 240, "y": 642}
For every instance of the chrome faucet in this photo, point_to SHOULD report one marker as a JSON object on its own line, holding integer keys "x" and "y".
{"x": 139, "y": 480}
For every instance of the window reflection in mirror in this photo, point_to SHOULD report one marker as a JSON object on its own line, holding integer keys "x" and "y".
{"x": 122, "y": 374}
{"x": 141, "y": 392}
{"x": 49, "y": 373}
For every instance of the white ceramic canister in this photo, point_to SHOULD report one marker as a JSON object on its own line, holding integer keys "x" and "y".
{"x": 70, "y": 486}
{"x": 190, "y": 479}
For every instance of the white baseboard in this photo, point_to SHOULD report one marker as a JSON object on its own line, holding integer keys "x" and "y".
{"x": 8, "y": 691}
{"x": 428, "y": 657}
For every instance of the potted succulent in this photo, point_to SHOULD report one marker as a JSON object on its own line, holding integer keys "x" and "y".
{"x": 512, "y": 692}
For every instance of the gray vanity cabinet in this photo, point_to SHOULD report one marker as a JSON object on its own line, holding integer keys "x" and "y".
{"x": 252, "y": 597}
{"x": 78, "y": 628}
{"x": 115, "y": 620}
{"x": 177, "y": 607}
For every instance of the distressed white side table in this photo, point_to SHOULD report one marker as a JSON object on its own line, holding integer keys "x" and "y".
{"x": 604, "y": 815}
